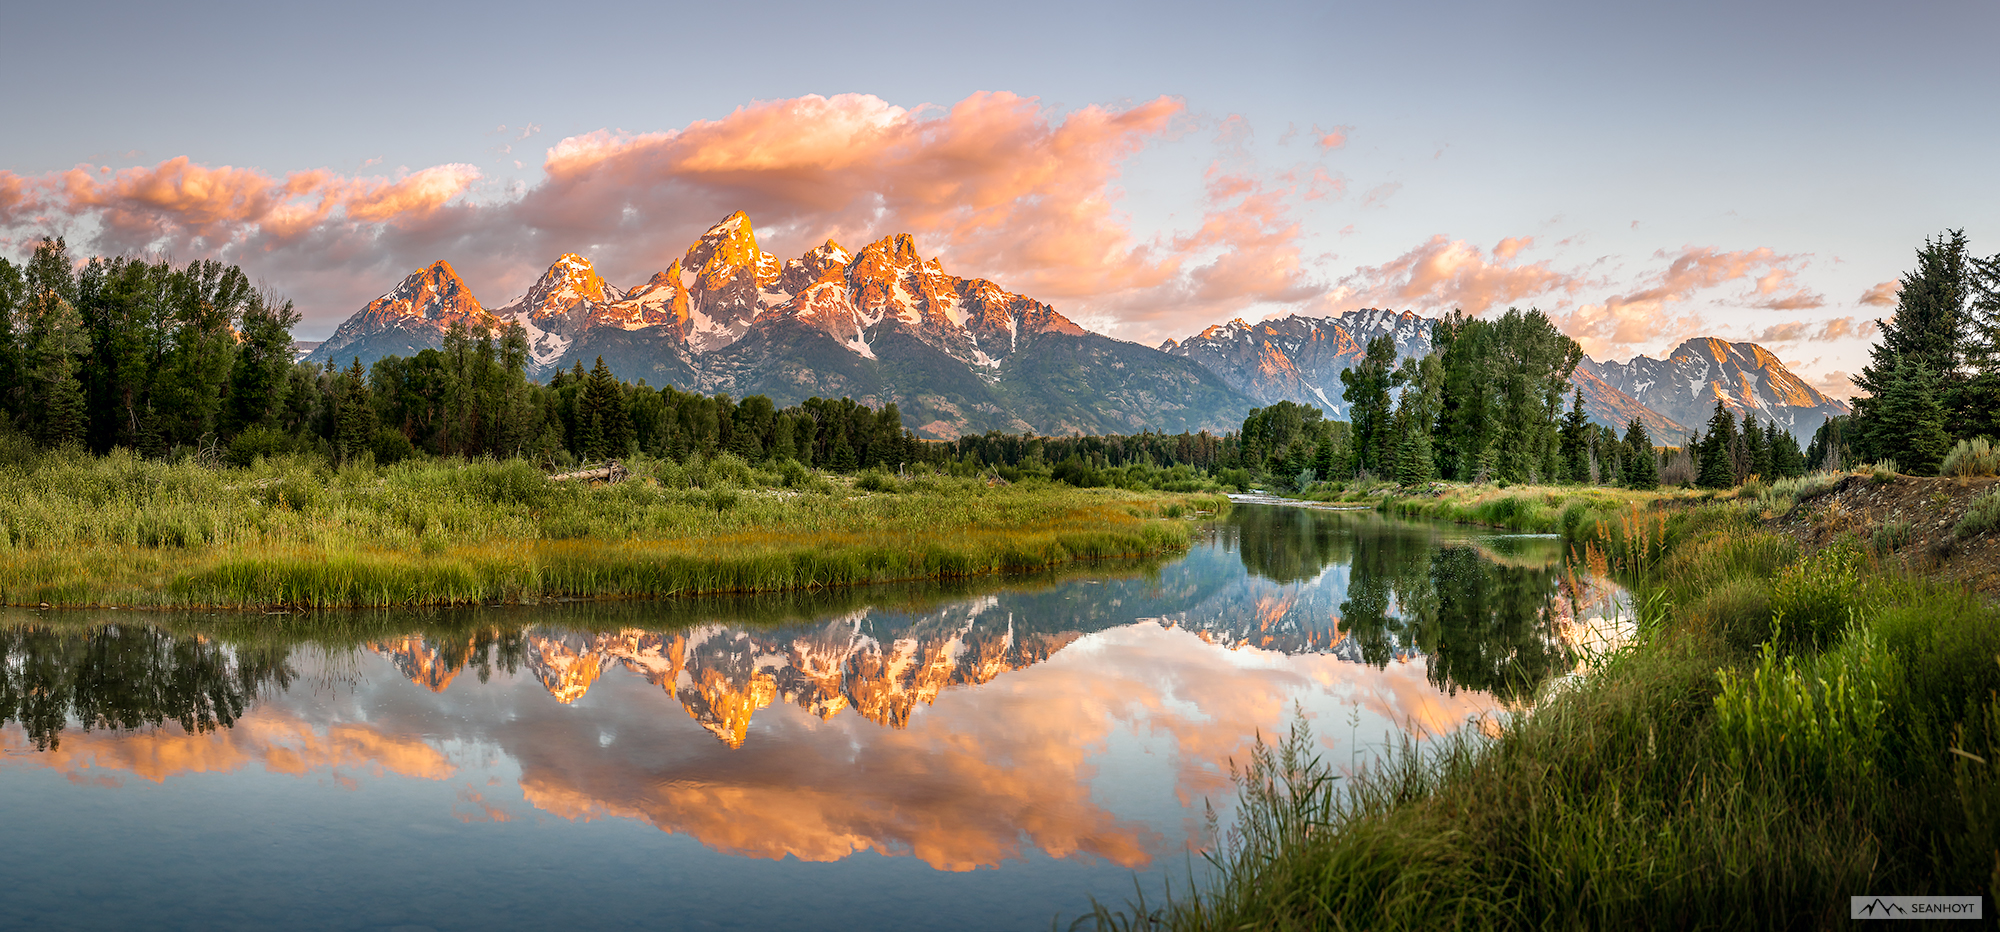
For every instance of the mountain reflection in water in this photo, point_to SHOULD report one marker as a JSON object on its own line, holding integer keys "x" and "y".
{"x": 965, "y": 727}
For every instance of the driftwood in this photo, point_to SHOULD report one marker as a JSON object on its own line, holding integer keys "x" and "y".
{"x": 611, "y": 472}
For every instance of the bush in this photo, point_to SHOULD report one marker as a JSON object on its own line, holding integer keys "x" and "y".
{"x": 253, "y": 443}
{"x": 1891, "y": 537}
{"x": 1975, "y": 457}
{"x": 876, "y": 480}
{"x": 391, "y": 447}
{"x": 1983, "y": 515}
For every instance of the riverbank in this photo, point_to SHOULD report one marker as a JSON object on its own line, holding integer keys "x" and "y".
{"x": 78, "y": 531}
{"x": 1799, "y": 720}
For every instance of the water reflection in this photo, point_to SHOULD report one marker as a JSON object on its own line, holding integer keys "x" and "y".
{"x": 962, "y": 727}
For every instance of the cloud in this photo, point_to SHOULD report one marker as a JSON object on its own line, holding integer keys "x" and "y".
{"x": 1329, "y": 140}
{"x": 1643, "y": 316}
{"x": 1806, "y": 331}
{"x": 997, "y": 185}
{"x": 1378, "y": 196}
{"x": 17, "y": 199}
{"x": 1445, "y": 274}
{"x": 1834, "y": 384}
{"x": 1882, "y": 294}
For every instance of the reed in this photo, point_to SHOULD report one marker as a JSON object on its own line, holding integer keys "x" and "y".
{"x": 119, "y": 530}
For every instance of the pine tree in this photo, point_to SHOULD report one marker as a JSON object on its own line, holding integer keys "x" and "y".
{"x": 1718, "y": 449}
{"x": 841, "y": 458}
{"x": 1756, "y": 452}
{"x": 54, "y": 339}
{"x": 355, "y": 424}
{"x": 1912, "y": 418}
{"x": 1575, "y": 449}
{"x": 1928, "y": 328}
{"x": 1414, "y": 464}
{"x": 1642, "y": 470}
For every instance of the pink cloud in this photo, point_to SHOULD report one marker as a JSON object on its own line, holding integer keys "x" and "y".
{"x": 1624, "y": 321}
{"x": 1331, "y": 139}
{"x": 997, "y": 185}
{"x": 1882, "y": 294}
{"x": 1445, "y": 274}
{"x": 1805, "y": 331}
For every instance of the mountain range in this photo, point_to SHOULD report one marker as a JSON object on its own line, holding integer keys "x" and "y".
{"x": 959, "y": 355}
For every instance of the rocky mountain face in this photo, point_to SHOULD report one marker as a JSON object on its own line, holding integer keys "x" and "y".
{"x": 1300, "y": 359}
{"x": 410, "y": 318}
{"x": 960, "y": 355}
{"x": 1750, "y": 381}
{"x": 881, "y": 325}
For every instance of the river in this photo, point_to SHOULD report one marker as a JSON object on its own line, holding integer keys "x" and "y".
{"x": 984, "y": 755}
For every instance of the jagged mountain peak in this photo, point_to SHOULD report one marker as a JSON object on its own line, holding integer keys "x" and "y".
{"x": 569, "y": 279}
{"x": 411, "y": 316}
{"x": 728, "y": 245}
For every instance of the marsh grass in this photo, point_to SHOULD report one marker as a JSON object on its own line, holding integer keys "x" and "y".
{"x": 1792, "y": 730}
{"x": 119, "y": 530}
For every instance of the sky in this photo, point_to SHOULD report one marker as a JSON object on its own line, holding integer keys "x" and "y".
{"x": 1644, "y": 174}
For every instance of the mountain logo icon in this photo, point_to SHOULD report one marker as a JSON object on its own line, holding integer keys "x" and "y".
{"x": 1886, "y": 909}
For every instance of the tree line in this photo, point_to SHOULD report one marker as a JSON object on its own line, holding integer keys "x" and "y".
{"x": 170, "y": 360}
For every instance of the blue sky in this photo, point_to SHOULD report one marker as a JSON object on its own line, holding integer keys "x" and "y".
{"x": 1748, "y": 171}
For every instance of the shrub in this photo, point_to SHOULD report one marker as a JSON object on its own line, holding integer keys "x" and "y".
{"x": 1983, "y": 515}
{"x": 253, "y": 443}
{"x": 391, "y": 447}
{"x": 1891, "y": 537}
{"x": 876, "y": 480}
{"x": 1975, "y": 457}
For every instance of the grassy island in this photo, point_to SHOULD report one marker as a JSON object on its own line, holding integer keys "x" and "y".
{"x": 294, "y": 532}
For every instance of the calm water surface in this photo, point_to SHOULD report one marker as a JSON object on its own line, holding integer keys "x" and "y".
{"x": 932, "y": 757}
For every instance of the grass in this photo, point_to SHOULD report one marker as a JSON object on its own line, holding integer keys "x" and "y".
{"x": 119, "y": 530}
{"x": 1788, "y": 730}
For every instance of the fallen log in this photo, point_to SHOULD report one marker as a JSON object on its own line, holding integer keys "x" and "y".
{"x": 611, "y": 472}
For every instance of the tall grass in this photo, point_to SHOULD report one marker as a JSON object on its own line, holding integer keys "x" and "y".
{"x": 119, "y": 530}
{"x": 1797, "y": 730}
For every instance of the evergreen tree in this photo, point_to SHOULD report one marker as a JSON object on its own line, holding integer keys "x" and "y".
{"x": 1575, "y": 449}
{"x": 842, "y": 458}
{"x": 54, "y": 340}
{"x": 1718, "y": 466}
{"x": 1642, "y": 469}
{"x": 1928, "y": 328}
{"x": 1911, "y": 418}
{"x": 1786, "y": 459}
{"x": 1756, "y": 449}
{"x": 355, "y": 415}
{"x": 1414, "y": 465}
{"x": 13, "y": 297}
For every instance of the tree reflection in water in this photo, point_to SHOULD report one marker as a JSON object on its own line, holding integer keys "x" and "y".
{"x": 1480, "y": 617}
{"x": 1352, "y": 584}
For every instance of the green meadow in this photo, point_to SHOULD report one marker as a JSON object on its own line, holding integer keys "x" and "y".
{"x": 293, "y": 532}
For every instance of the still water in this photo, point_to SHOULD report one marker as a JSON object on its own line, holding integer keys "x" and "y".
{"x": 979, "y": 756}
